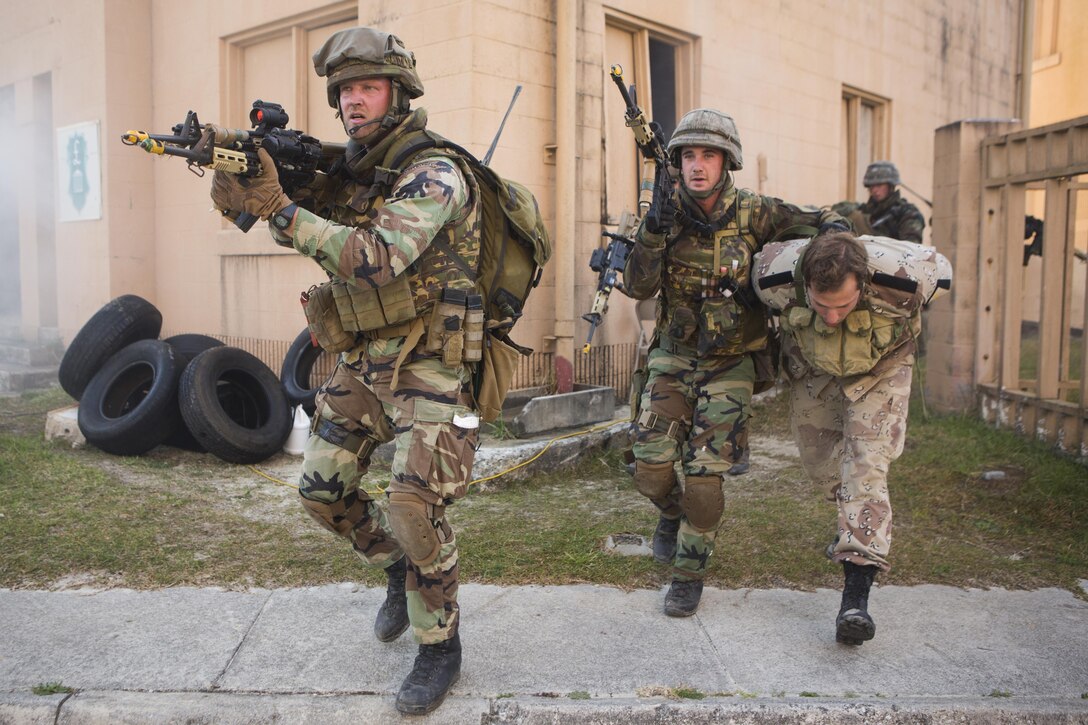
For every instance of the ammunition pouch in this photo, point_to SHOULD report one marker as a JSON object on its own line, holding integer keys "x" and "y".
{"x": 456, "y": 327}
{"x": 363, "y": 309}
{"x": 323, "y": 319}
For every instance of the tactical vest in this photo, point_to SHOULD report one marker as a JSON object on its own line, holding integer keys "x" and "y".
{"x": 853, "y": 346}
{"x": 365, "y": 183}
{"x": 700, "y": 272}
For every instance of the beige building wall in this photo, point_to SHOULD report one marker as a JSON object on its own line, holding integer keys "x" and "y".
{"x": 779, "y": 68}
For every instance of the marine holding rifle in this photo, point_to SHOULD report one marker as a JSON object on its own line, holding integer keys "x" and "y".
{"x": 394, "y": 228}
{"x": 694, "y": 251}
{"x": 886, "y": 213}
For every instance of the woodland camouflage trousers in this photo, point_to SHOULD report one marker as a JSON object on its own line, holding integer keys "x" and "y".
{"x": 432, "y": 465}
{"x": 711, "y": 398}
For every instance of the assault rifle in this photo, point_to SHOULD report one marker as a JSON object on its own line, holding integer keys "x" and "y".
{"x": 648, "y": 138}
{"x": 610, "y": 261}
{"x": 607, "y": 263}
{"x": 298, "y": 156}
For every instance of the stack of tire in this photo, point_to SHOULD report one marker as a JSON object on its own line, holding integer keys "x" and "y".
{"x": 190, "y": 391}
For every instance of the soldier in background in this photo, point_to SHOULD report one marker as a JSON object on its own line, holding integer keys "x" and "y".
{"x": 385, "y": 237}
{"x": 886, "y": 213}
{"x": 694, "y": 251}
{"x": 849, "y": 338}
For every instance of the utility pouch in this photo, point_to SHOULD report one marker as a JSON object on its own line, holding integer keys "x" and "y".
{"x": 323, "y": 319}
{"x": 719, "y": 323}
{"x": 445, "y": 332}
{"x": 493, "y": 376}
{"x": 681, "y": 324}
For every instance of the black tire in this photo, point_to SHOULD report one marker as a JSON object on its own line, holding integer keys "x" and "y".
{"x": 234, "y": 405}
{"x": 131, "y": 404}
{"x": 297, "y": 368}
{"x": 121, "y": 322}
{"x": 189, "y": 346}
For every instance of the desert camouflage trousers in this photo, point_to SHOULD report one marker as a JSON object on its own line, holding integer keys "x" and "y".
{"x": 847, "y": 447}
{"x": 710, "y": 397}
{"x": 432, "y": 465}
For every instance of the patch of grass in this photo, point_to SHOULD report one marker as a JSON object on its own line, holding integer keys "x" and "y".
{"x": 806, "y": 693}
{"x": 50, "y": 688}
{"x": 999, "y": 693}
{"x": 688, "y": 693}
{"x": 498, "y": 429}
{"x": 171, "y": 518}
{"x": 579, "y": 695}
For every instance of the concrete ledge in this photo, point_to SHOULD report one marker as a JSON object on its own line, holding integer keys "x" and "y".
{"x": 540, "y": 413}
{"x": 94, "y": 707}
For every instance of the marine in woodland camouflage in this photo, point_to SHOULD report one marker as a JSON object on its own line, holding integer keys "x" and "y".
{"x": 375, "y": 236}
{"x": 893, "y": 217}
{"x": 701, "y": 374}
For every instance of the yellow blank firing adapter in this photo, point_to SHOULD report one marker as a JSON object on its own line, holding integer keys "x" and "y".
{"x": 141, "y": 139}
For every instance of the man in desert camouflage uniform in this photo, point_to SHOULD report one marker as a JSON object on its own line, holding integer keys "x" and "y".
{"x": 848, "y": 349}
{"x": 886, "y": 213}
{"x": 694, "y": 250}
{"x": 392, "y": 240}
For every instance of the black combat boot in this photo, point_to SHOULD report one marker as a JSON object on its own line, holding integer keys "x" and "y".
{"x": 436, "y": 669}
{"x": 393, "y": 616}
{"x": 854, "y": 625}
{"x": 683, "y": 597}
{"x": 665, "y": 540}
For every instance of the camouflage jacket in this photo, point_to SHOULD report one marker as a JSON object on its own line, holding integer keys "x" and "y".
{"x": 371, "y": 230}
{"x": 894, "y": 217}
{"x": 701, "y": 270}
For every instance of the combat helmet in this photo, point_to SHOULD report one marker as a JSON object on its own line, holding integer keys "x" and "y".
{"x": 710, "y": 128}
{"x": 365, "y": 53}
{"x": 881, "y": 172}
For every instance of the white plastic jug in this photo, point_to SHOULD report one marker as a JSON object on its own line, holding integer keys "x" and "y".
{"x": 300, "y": 431}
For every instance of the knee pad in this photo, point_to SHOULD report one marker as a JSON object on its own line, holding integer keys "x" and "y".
{"x": 654, "y": 480}
{"x": 703, "y": 502}
{"x": 340, "y": 516}
{"x": 414, "y": 528}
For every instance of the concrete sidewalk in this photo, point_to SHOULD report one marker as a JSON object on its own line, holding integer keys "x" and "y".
{"x": 583, "y": 654}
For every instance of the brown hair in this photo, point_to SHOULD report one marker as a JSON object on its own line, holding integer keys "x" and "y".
{"x": 831, "y": 258}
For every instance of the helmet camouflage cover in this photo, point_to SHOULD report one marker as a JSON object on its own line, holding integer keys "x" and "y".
{"x": 365, "y": 53}
{"x": 881, "y": 172}
{"x": 709, "y": 128}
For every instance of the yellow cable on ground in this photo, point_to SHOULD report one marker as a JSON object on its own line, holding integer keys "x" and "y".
{"x": 526, "y": 462}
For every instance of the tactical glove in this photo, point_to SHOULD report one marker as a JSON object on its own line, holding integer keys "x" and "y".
{"x": 661, "y": 215}
{"x": 261, "y": 195}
